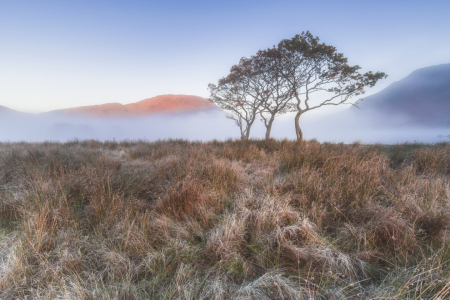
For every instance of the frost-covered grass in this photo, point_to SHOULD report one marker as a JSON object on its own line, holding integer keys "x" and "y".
{"x": 224, "y": 220}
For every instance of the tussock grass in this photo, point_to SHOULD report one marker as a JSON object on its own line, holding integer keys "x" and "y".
{"x": 224, "y": 220}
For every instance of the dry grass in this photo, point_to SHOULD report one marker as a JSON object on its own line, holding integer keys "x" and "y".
{"x": 224, "y": 220}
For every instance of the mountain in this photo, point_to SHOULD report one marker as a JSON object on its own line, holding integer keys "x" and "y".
{"x": 421, "y": 98}
{"x": 5, "y": 111}
{"x": 164, "y": 104}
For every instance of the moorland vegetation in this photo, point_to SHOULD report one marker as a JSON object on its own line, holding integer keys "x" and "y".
{"x": 224, "y": 220}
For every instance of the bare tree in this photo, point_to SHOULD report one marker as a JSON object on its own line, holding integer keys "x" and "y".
{"x": 309, "y": 67}
{"x": 238, "y": 95}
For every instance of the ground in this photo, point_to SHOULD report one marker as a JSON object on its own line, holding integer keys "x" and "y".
{"x": 224, "y": 220}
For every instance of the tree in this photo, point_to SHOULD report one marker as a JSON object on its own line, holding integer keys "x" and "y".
{"x": 309, "y": 67}
{"x": 276, "y": 95}
{"x": 239, "y": 96}
{"x": 283, "y": 78}
{"x": 254, "y": 86}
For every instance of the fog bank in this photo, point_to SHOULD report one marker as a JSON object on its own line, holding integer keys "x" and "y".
{"x": 210, "y": 125}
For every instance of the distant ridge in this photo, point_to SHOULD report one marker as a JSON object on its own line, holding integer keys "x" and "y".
{"x": 8, "y": 111}
{"x": 421, "y": 98}
{"x": 163, "y": 104}
{"x": 5, "y": 109}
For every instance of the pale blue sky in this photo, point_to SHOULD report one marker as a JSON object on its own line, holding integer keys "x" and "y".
{"x": 58, "y": 54}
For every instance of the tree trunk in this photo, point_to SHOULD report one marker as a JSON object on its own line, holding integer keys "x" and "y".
{"x": 298, "y": 130}
{"x": 269, "y": 127}
{"x": 247, "y": 132}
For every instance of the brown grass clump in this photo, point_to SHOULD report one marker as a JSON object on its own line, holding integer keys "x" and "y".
{"x": 224, "y": 220}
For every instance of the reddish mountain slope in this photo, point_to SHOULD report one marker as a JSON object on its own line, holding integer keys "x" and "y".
{"x": 164, "y": 104}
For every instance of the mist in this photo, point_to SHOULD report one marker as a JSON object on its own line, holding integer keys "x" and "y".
{"x": 213, "y": 125}
{"x": 348, "y": 128}
{"x": 193, "y": 126}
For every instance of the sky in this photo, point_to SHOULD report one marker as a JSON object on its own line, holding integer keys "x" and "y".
{"x": 59, "y": 54}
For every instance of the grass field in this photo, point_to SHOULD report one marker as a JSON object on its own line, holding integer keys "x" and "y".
{"x": 224, "y": 220}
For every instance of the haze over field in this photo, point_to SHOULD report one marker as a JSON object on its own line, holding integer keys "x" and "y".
{"x": 204, "y": 126}
{"x": 121, "y": 52}
{"x": 414, "y": 109}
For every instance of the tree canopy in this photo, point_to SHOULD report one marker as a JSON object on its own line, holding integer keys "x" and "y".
{"x": 284, "y": 78}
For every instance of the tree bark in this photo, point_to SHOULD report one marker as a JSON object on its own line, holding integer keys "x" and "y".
{"x": 242, "y": 133}
{"x": 269, "y": 127}
{"x": 247, "y": 134}
{"x": 298, "y": 130}
{"x": 249, "y": 126}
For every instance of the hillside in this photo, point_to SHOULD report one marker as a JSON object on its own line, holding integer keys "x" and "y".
{"x": 224, "y": 220}
{"x": 164, "y": 104}
{"x": 7, "y": 111}
{"x": 421, "y": 98}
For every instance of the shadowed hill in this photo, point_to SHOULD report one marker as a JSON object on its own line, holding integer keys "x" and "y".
{"x": 6, "y": 110}
{"x": 421, "y": 98}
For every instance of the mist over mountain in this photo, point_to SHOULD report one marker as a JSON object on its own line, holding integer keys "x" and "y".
{"x": 196, "y": 125}
{"x": 5, "y": 111}
{"x": 420, "y": 99}
{"x": 163, "y": 104}
{"x": 416, "y": 108}
{"x": 160, "y": 117}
